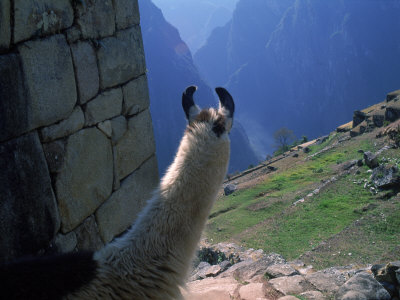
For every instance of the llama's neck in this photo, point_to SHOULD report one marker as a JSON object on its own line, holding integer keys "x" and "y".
{"x": 174, "y": 218}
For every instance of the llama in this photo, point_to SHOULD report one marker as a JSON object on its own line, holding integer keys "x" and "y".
{"x": 151, "y": 260}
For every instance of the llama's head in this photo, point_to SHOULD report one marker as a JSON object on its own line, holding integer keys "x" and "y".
{"x": 219, "y": 121}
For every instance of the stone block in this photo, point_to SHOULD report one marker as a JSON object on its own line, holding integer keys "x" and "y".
{"x": 29, "y": 217}
{"x": 5, "y": 25}
{"x": 119, "y": 126}
{"x": 73, "y": 34}
{"x": 54, "y": 153}
{"x": 105, "y": 128}
{"x": 118, "y": 213}
{"x": 135, "y": 146}
{"x": 121, "y": 58}
{"x": 86, "y": 71}
{"x": 126, "y": 13}
{"x": 105, "y": 106}
{"x": 13, "y": 104}
{"x": 95, "y": 18}
{"x": 136, "y": 96}
{"x": 66, "y": 127}
{"x": 50, "y": 80}
{"x": 88, "y": 236}
{"x": 65, "y": 242}
{"x": 86, "y": 177}
{"x": 41, "y": 17}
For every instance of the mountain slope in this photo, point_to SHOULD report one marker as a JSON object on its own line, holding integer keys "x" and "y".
{"x": 309, "y": 67}
{"x": 170, "y": 71}
{"x": 317, "y": 206}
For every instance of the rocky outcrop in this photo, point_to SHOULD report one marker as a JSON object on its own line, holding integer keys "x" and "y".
{"x": 253, "y": 275}
{"x": 76, "y": 137}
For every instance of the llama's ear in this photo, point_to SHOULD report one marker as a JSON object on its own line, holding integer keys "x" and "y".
{"x": 227, "y": 106}
{"x": 190, "y": 108}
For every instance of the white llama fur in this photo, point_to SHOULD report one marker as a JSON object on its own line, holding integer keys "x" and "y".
{"x": 152, "y": 259}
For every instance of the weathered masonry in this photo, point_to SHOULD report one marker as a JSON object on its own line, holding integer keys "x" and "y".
{"x": 77, "y": 152}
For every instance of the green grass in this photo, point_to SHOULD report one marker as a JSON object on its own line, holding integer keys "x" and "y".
{"x": 264, "y": 217}
{"x": 305, "y": 227}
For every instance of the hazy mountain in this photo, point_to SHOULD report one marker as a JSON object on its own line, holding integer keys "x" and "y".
{"x": 195, "y": 19}
{"x": 304, "y": 64}
{"x": 170, "y": 71}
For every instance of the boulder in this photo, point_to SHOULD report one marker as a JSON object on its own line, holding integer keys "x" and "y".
{"x": 359, "y": 129}
{"x": 378, "y": 117}
{"x": 50, "y": 80}
{"x": 280, "y": 270}
{"x": 5, "y": 24}
{"x": 41, "y": 17}
{"x": 211, "y": 288}
{"x": 306, "y": 149}
{"x": 122, "y": 208}
{"x": 95, "y": 18}
{"x": 393, "y": 111}
{"x": 387, "y": 273}
{"x": 392, "y": 95}
{"x": 121, "y": 58}
{"x": 385, "y": 176}
{"x": 362, "y": 286}
{"x": 291, "y": 284}
{"x": 348, "y": 165}
{"x": 358, "y": 118}
{"x": 229, "y": 189}
{"x": 259, "y": 267}
{"x": 371, "y": 160}
{"x": 85, "y": 180}
{"x": 313, "y": 295}
{"x": 252, "y": 291}
{"x": 29, "y": 216}
{"x": 87, "y": 74}
{"x": 328, "y": 280}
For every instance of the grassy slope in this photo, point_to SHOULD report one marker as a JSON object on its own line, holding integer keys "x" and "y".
{"x": 344, "y": 217}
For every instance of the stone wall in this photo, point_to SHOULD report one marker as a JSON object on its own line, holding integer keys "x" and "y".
{"x": 77, "y": 152}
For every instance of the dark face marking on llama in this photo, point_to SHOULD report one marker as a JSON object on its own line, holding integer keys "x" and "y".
{"x": 49, "y": 277}
{"x": 218, "y": 119}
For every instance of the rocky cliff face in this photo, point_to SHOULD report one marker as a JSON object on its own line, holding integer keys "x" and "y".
{"x": 77, "y": 151}
{"x": 308, "y": 65}
{"x": 170, "y": 71}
